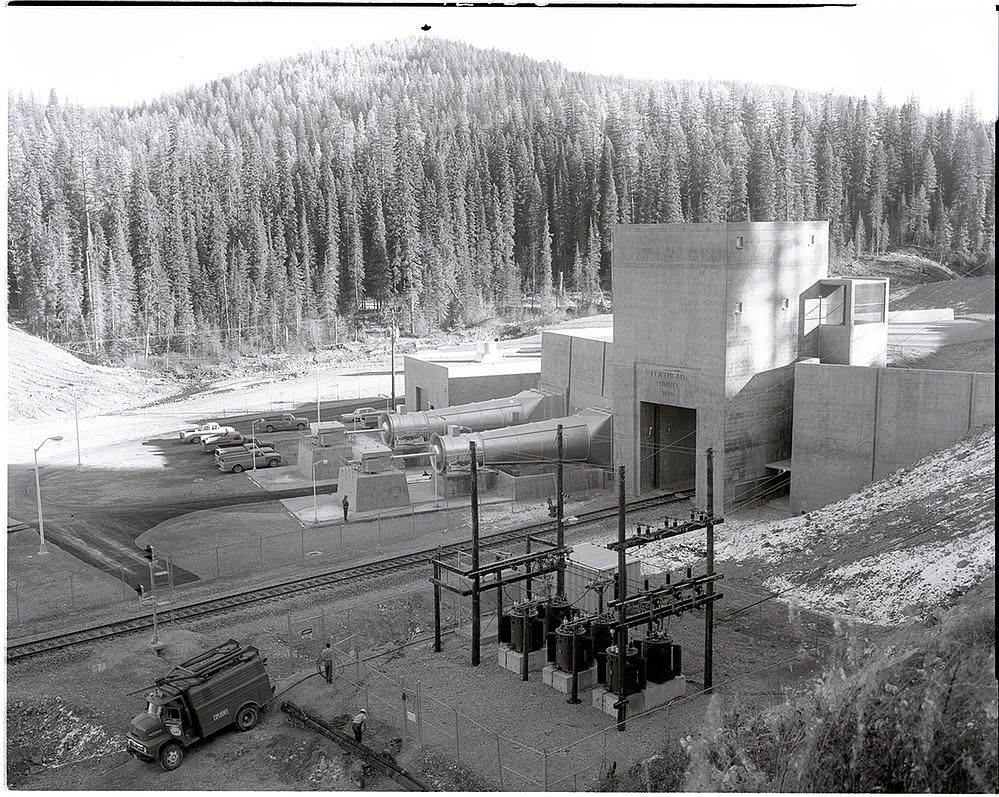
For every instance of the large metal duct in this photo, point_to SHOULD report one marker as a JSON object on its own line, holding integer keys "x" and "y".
{"x": 528, "y": 442}
{"x": 479, "y": 415}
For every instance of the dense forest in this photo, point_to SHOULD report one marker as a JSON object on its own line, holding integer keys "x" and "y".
{"x": 441, "y": 184}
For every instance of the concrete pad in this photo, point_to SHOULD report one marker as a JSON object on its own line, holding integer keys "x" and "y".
{"x": 652, "y": 696}
{"x": 514, "y": 661}
{"x": 561, "y": 681}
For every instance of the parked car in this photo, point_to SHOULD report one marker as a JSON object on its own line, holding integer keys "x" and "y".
{"x": 362, "y": 416}
{"x": 194, "y": 434}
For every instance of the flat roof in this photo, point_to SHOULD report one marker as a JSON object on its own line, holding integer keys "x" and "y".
{"x": 605, "y": 334}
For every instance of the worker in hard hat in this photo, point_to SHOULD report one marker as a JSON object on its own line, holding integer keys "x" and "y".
{"x": 357, "y": 726}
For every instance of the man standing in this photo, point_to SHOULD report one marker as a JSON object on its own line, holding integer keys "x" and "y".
{"x": 357, "y": 726}
{"x": 328, "y": 662}
{"x": 346, "y": 507}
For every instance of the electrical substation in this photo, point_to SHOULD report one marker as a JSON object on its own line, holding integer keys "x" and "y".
{"x": 737, "y": 371}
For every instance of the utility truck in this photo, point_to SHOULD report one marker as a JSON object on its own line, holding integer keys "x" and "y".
{"x": 366, "y": 417}
{"x": 224, "y": 686}
{"x": 239, "y": 458}
{"x": 279, "y": 422}
{"x": 195, "y": 434}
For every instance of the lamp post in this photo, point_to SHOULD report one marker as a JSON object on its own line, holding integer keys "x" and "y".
{"x": 38, "y": 495}
{"x": 315, "y": 504}
{"x": 253, "y": 444}
{"x": 388, "y": 408}
{"x": 152, "y": 589}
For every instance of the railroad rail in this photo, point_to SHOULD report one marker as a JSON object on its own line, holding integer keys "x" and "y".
{"x": 382, "y": 763}
{"x": 22, "y": 648}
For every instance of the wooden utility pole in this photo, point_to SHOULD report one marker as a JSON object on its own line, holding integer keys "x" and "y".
{"x": 476, "y": 629}
{"x": 560, "y": 521}
{"x": 709, "y": 609}
{"x": 622, "y": 593}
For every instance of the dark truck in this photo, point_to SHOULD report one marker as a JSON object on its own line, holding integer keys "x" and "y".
{"x": 227, "y": 685}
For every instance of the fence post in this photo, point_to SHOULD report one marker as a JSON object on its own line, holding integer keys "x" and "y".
{"x": 72, "y": 593}
{"x": 412, "y": 518}
{"x": 405, "y": 721}
{"x": 341, "y": 538}
{"x": 124, "y": 595}
{"x": 379, "y": 528}
{"x": 499, "y": 761}
{"x": 419, "y": 716}
{"x": 261, "y": 541}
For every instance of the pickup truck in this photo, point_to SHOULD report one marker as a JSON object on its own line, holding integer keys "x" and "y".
{"x": 362, "y": 416}
{"x": 286, "y": 421}
{"x": 210, "y": 443}
{"x": 195, "y": 434}
{"x": 235, "y": 460}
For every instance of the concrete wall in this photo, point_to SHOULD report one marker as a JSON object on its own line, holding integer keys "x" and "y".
{"x": 832, "y": 446}
{"x": 702, "y": 323}
{"x": 431, "y": 378}
{"x": 853, "y": 425}
{"x": 578, "y": 367}
{"x": 482, "y": 387}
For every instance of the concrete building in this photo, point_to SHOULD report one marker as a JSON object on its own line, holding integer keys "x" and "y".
{"x": 706, "y": 333}
{"x": 445, "y": 378}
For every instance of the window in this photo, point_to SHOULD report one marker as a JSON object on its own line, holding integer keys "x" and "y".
{"x": 785, "y": 303}
{"x": 738, "y": 308}
{"x": 868, "y": 303}
{"x": 833, "y": 305}
{"x": 738, "y": 242}
{"x": 811, "y": 240}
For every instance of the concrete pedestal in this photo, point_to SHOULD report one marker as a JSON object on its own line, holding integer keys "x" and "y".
{"x": 371, "y": 492}
{"x": 652, "y": 696}
{"x": 511, "y": 660}
{"x": 561, "y": 681}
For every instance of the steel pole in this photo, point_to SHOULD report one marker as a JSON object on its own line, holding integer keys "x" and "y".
{"x": 38, "y": 495}
{"x": 392, "y": 364}
{"x": 152, "y": 590}
{"x": 318, "y": 409}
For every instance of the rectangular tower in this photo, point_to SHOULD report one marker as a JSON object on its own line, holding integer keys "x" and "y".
{"x": 706, "y": 332}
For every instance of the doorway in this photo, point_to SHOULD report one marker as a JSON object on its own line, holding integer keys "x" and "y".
{"x": 668, "y": 447}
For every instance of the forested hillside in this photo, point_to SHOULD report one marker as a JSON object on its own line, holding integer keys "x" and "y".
{"x": 445, "y": 182}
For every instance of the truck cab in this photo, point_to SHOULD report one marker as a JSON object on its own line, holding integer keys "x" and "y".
{"x": 225, "y": 686}
{"x": 285, "y": 421}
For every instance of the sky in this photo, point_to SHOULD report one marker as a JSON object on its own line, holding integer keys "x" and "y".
{"x": 944, "y": 53}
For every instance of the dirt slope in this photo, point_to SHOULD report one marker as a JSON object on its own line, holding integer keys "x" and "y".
{"x": 898, "y": 548}
{"x": 968, "y": 296}
{"x": 42, "y": 380}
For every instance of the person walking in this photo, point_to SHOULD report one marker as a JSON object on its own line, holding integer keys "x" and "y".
{"x": 327, "y": 658}
{"x": 357, "y": 726}
{"x": 346, "y": 508}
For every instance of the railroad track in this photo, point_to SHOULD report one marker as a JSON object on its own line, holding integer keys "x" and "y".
{"x": 18, "y": 649}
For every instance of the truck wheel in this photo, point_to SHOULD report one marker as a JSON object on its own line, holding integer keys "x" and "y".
{"x": 171, "y": 755}
{"x": 195, "y": 440}
{"x": 300, "y": 427}
{"x": 237, "y": 468}
{"x": 272, "y": 463}
{"x": 247, "y": 717}
{"x": 268, "y": 428}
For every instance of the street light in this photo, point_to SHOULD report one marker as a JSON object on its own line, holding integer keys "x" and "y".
{"x": 315, "y": 505}
{"x": 254, "y": 443}
{"x": 38, "y": 495}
